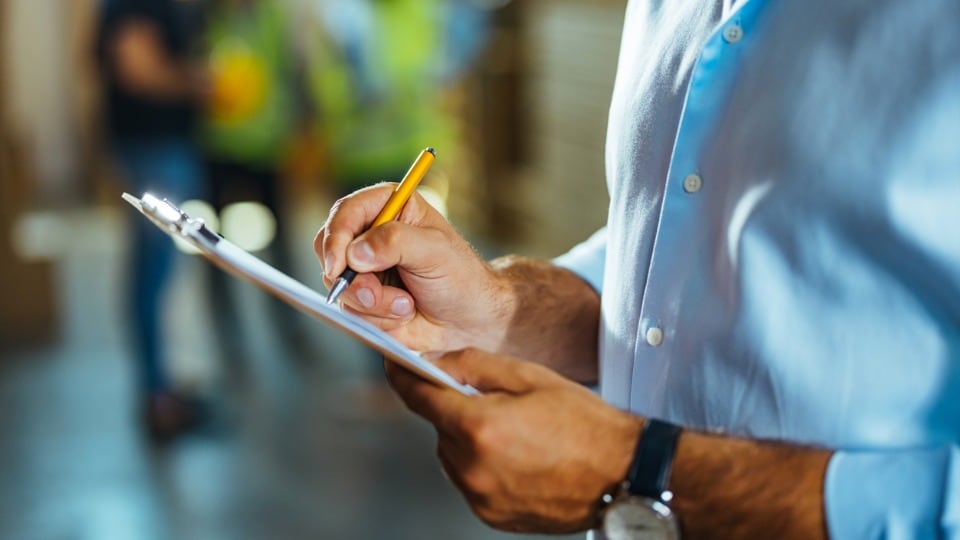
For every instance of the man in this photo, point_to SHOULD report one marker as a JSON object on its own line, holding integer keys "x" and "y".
{"x": 152, "y": 91}
{"x": 245, "y": 132}
{"x": 779, "y": 275}
{"x": 375, "y": 85}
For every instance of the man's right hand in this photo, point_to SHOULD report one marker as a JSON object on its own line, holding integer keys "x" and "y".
{"x": 450, "y": 297}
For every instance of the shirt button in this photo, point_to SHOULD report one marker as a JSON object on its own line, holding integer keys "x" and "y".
{"x": 733, "y": 33}
{"x": 654, "y": 336}
{"x": 692, "y": 183}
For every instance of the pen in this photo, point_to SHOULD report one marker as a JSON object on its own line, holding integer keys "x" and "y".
{"x": 390, "y": 211}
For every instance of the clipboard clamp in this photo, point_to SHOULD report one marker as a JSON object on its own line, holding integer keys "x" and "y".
{"x": 170, "y": 218}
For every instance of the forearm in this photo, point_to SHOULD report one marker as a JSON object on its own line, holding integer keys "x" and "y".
{"x": 175, "y": 83}
{"x": 143, "y": 67}
{"x": 554, "y": 319}
{"x": 734, "y": 488}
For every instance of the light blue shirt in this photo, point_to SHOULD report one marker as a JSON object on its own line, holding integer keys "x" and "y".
{"x": 782, "y": 254}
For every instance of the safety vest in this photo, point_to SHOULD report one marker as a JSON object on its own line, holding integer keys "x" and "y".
{"x": 377, "y": 94}
{"x": 249, "y": 118}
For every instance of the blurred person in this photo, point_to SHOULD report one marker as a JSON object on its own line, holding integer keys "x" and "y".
{"x": 246, "y": 130}
{"x": 152, "y": 91}
{"x": 378, "y": 72}
{"x": 772, "y": 311}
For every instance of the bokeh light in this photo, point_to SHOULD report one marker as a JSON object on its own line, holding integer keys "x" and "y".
{"x": 249, "y": 225}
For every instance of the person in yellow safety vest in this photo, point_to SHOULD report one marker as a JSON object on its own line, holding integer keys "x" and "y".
{"x": 377, "y": 71}
{"x": 249, "y": 118}
{"x": 247, "y": 128}
{"x": 376, "y": 75}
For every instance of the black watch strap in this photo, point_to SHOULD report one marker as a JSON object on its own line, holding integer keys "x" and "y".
{"x": 650, "y": 469}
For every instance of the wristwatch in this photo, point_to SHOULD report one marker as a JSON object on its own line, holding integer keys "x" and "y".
{"x": 640, "y": 508}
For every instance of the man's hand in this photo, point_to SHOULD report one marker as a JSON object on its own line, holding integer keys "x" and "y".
{"x": 535, "y": 452}
{"x": 450, "y": 299}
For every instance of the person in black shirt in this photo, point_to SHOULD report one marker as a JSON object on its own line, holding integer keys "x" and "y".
{"x": 152, "y": 95}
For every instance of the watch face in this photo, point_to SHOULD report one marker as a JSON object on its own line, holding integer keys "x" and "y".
{"x": 637, "y": 518}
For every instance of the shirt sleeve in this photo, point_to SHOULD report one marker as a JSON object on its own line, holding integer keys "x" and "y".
{"x": 894, "y": 494}
{"x": 587, "y": 259}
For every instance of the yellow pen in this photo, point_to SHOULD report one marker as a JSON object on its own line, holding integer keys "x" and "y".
{"x": 390, "y": 211}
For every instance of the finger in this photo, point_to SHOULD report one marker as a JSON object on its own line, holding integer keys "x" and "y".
{"x": 348, "y": 217}
{"x": 415, "y": 249}
{"x": 454, "y": 459}
{"x": 389, "y": 325}
{"x": 352, "y": 215}
{"x": 490, "y": 372}
{"x": 368, "y": 297}
{"x": 443, "y": 407}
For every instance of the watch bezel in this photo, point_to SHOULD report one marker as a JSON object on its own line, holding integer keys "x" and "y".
{"x": 658, "y": 511}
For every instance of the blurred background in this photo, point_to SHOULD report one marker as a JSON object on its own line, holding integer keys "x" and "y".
{"x": 145, "y": 395}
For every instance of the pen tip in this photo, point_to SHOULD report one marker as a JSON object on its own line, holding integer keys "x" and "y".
{"x": 337, "y": 290}
{"x": 431, "y": 150}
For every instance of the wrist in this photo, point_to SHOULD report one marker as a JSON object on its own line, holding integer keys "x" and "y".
{"x": 642, "y": 500}
{"x": 622, "y": 451}
{"x": 503, "y": 293}
{"x": 549, "y": 315}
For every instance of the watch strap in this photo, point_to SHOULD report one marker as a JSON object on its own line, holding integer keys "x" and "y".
{"x": 650, "y": 470}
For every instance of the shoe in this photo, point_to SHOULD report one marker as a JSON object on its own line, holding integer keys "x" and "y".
{"x": 168, "y": 415}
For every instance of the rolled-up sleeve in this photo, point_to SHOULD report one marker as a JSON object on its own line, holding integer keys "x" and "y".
{"x": 587, "y": 259}
{"x": 894, "y": 495}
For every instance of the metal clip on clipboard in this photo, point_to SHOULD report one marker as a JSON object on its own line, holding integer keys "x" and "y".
{"x": 238, "y": 262}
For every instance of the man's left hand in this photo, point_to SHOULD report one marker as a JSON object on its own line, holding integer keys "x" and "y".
{"x": 535, "y": 452}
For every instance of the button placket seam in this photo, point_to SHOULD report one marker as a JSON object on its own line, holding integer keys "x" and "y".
{"x": 645, "y": 321}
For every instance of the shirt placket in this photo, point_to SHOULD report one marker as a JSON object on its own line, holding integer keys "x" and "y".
{"x": 688, "y": 189}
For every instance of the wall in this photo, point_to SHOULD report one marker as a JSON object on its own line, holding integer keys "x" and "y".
{"x": 536, "y": 117}
{"x": 27, "y": 309}
{"x": 42, "y": 80}
{"x": 573, "y": 56}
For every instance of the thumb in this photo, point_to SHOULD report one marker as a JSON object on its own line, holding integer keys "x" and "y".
{"x": 491, "y": 372}
{"x": 418, "y": 250}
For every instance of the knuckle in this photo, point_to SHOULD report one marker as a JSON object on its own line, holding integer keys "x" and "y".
{"x": 338, "y": 205}
{"x": 451, "y": 359}
{"x": 528, "y": 371}
{"x": 389, "y": 325}
{"x": 469, "y": 353}
{"x": 484, "y": 436}
{"x": 387, "y": 234}
{"x": 336, "y": 211}
{"x": 415, "y": 208}
{"x": 485, "y": 514}
{"x": 479, "y": 482}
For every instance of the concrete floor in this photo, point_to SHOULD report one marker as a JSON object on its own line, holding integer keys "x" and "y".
{"x": 295, "y": 455}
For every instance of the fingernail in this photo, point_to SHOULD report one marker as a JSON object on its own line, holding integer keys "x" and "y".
{"x": 400, "y": 306}
{"x": 365, "y": 296}
{"x": 362, "y": 252}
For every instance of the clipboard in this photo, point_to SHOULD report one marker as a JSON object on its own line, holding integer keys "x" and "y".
{"x": 238, "y": 262}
